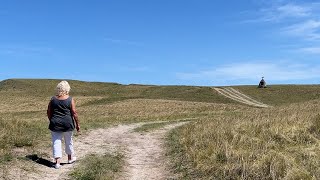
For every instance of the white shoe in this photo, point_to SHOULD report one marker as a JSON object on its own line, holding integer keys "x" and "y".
{"x": 57, "y": 165}
{"x": 72, "y": 160}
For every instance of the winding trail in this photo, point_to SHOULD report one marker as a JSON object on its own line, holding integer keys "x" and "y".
{"x": 236, "y": 95}
{"x": 143, "y": 152}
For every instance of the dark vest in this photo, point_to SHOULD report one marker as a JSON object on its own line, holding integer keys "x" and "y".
{"x": 61, "y": 120}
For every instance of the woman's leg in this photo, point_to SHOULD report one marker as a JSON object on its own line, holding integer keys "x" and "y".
{"x": 69, "y": 144}
{"x": 56, "y": 145}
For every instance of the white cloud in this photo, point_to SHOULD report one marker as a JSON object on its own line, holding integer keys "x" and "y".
{"x": 298, "y": 20}
{"x": 280, "y": 12}
{"x": 292, "y": 10}
{"x": 285, "y": 11}
{"x": 309, "y": 30}
{"x": 254, "y": 71}
{"x": 311, "y": 50}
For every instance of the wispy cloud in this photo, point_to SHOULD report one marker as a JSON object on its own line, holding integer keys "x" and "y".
{"x": 311, "y": 50}
{"x": 293, "y": 10}
{"x": 298, "y": 20}
{"x": 121, "y": 41}
{"x": 275, "y": 72}
{"x": 278, "y": 12}
{"x": 307, "y": 26}
{"x": 309, "y": 30}
{"x": 281, "y": 12}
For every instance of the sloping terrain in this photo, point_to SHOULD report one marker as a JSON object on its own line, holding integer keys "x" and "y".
{"x": 233, "y": 94}
{"x": 223, "y": 140}
{"x": 112, "y": 92}
{"x": 277, "y": 95}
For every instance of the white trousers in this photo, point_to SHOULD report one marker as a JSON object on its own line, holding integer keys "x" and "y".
{"x": 57, "y": 143}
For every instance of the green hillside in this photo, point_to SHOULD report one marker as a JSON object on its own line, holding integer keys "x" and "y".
{"x": 113, "y": 91}
{"x": 23, "y": 121}
{"x": 273, "y": 95}
{"x": 282, "y": 94}
{"x": 224, "y": 140}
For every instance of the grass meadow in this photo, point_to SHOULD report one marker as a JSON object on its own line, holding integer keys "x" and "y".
{"x": 226, "y": 140}
{"x": 282, "y": 142}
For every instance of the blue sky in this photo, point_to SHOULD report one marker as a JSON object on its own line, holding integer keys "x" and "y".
{"x": 163, "y": 42}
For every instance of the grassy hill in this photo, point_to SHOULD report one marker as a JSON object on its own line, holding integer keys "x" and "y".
{"x": 227, "y": 140}
{"x": 23, "y": 121}
{"x": 281, "y": 142}
{"x": 114, "y": 91}
{"x": 282, "y": 94}
{"x": 273, "y": 95}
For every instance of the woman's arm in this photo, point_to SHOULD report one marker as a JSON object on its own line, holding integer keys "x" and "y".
{"x": 49, "y": 112}
{"x": 75, "y": 114}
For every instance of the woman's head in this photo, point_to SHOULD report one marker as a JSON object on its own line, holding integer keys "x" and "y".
{"x": 63, "y": 88}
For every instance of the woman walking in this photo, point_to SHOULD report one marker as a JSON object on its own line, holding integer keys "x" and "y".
{"x": 63, "y": 119}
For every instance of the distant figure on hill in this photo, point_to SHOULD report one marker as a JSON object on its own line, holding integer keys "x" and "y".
{"x": 63, "y": 119}
{"x": 262, "y": 83}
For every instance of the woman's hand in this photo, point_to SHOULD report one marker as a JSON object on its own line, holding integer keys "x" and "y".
{"x": 78, "y": 128}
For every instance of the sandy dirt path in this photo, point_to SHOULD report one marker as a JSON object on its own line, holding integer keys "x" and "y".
{"x": 145, "y": 155}
{"x": 233, "y": 94}
{"x": 143, "y": 152}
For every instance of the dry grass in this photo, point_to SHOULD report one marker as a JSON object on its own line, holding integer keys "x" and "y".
{"x": 275, "y": 143}
{"x": 23, "y": 121}
{"x": 98, "y": 167}
{"x": 229, "y": 141}
{"x": 154, "y": 109}
{"x": 282, "y": 94}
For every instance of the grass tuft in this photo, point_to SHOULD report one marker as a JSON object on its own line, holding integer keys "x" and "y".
{"x": 7, "y": 157}
{"x": 98, "y": 167}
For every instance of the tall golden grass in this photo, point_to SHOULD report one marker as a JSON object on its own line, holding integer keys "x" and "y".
{"x": 275, "y": 143}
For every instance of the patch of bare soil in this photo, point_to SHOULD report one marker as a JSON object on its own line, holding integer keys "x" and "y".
{"x": 235, "y": 95}
{"x": 143, "y": 152}
{"x": 145, "y": 155}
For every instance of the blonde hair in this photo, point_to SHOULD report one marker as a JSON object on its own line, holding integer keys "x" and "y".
{"x": 63, "y": 88}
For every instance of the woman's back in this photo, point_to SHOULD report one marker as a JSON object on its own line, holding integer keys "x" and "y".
{"x": 61, "y": 119}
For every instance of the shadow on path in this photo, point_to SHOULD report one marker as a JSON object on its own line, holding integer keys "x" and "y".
{"x": 39, "y": 160}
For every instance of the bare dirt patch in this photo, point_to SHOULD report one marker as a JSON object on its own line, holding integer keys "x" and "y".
{"x": 143, "y": 152}
{"x": 145, "y": 155}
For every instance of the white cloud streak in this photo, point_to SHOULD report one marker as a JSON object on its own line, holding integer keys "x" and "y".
{"x": 293, "y": 19}
{"x": 292, "y": 10}
{"x": 278, "y": 13}
{"x": 311, "y": 50}
{"x": 308, "y": 30}
{"x": 275, "y": 72}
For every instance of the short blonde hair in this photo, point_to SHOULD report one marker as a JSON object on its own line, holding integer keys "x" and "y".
{"x": 63, "y": 88}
